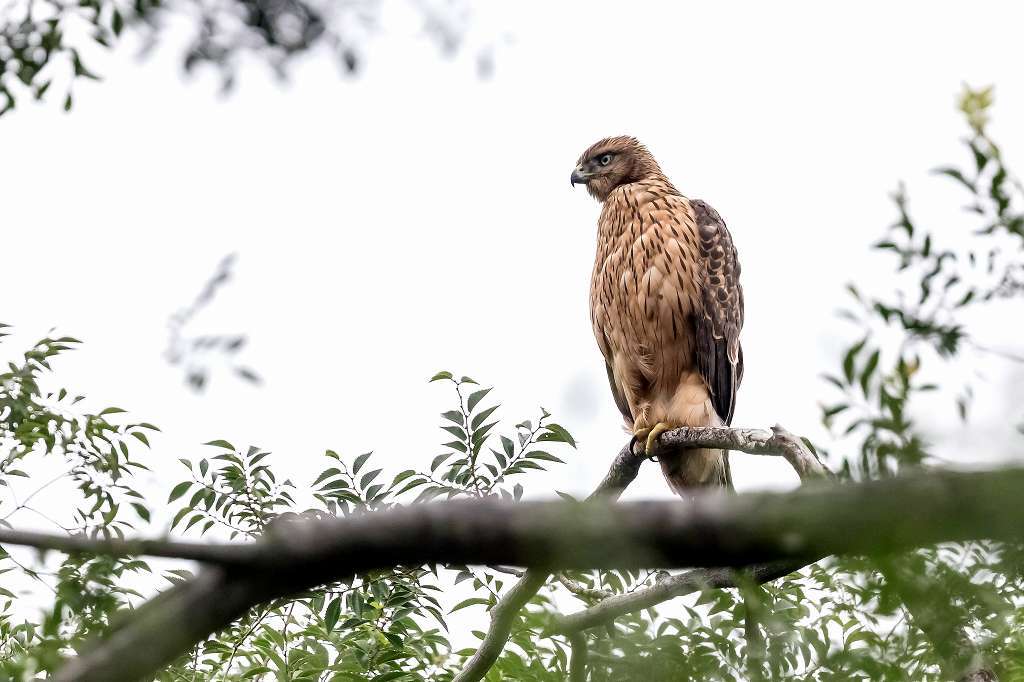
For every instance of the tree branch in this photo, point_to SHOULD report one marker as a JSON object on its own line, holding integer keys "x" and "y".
{"x": 678, "y": 585}
{"x": 581, "y": 590}
{"x": 711, "y": 530}
{"x": 778, "y": 442}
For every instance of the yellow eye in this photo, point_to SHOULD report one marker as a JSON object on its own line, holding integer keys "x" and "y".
{"x": 606, "y": 159}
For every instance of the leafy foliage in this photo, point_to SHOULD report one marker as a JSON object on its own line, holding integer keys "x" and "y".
{"x": 46, "y": 42}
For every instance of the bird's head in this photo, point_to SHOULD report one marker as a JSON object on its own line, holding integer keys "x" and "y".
{"x": 612, "y": 162}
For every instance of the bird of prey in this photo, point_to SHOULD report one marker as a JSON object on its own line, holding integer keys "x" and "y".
{"x": 666, "y": 307}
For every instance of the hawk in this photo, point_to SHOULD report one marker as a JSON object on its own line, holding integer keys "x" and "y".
{"x": 666, "y": 307}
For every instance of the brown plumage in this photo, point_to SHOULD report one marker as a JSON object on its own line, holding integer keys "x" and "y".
{"x": 666, "y": 306}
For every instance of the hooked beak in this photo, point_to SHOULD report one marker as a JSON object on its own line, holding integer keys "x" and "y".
{"x": 579, "y": 176}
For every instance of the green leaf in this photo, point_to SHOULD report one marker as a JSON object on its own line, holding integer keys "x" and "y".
{"x": 441, "y": 376}
{"x": 141, "y": 511}
{"x": 179, "y": 490}
{"x": 402, "y": 476}
{"x": 324, "y": 475}
{"x": 958, "y": 176}
{"x": 368, "y": 478}
{"x": 360, "y": 461}
{"x": 454, "y": 416}
{"x": 220, "y": 444}
{"x": 850, "y": 358}
{"x": 540, "y": 454}
{"x": 869, "y": 369}
{"x": 455, "y": 431}
{"x": 481, "y": 417}
{"x": 179, "y": 516}
{"x": 555, "y": 432}
{"x": 476, "y": 397}
{"x": 472, "y": 601}
{"x": 332, "y": 613}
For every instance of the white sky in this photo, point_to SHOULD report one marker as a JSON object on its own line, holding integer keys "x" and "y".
{"x": 418, "y": 218}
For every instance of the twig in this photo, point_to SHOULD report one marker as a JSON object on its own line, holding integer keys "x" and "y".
{"x": 581, "y": 590}
{"x": 222, "y": 553}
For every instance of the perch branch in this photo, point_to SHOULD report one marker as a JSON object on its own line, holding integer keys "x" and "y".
{"x": 751, "y": 441}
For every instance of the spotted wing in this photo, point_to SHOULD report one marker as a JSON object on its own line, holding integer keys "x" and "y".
{"x": 720, "y": 318}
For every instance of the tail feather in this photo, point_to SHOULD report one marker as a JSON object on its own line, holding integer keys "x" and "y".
{"x": 688, "y": 471}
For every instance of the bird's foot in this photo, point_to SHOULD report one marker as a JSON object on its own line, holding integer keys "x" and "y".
{"x": 639, "y": 438}
{"x": 652, "y": 436}
{"x": 646, "y": 437}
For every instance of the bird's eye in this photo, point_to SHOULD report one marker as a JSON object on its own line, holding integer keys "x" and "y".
{"x": 605, "y": 159}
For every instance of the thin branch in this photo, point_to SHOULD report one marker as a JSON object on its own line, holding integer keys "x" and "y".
{"x": 620, "y": 474}
{"x": 578, "y": 661}
{"x": 673, "y": 586}
{"x": 222, "y": 553}
{"x": 581, "y": 590}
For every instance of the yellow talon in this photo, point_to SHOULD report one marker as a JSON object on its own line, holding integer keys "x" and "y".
{"x": 659, "y": 428}
{"x": 640, "y": 435}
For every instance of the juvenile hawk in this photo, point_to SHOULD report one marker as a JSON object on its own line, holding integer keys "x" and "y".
{"x": 666, "y": 306}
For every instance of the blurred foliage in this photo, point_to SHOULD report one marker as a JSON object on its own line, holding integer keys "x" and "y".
{"x": 44, "y": 429}
{"x": 198, "y": 354}
{"x": 48, "y": 41}
{"x": 921, "y": 616}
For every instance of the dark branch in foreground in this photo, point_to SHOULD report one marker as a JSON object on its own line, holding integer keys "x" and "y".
{"x": 713, "y": 530}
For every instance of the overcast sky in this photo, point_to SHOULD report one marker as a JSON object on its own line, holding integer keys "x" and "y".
{"x": 418, "y": 218}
